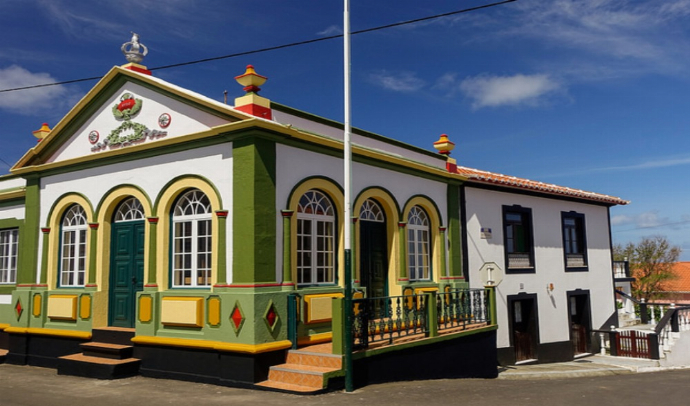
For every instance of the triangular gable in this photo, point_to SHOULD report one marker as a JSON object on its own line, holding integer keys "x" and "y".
{"x": 126, "y": 109}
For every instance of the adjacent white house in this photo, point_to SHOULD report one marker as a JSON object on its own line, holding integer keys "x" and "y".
{"x": 553, "y": 247}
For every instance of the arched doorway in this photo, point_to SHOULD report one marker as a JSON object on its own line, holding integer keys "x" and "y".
{"x": 373, "y": 249}
{"x": 126, "y": 262}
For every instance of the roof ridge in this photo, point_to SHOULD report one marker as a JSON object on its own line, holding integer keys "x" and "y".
{"x": 523, "y": 183}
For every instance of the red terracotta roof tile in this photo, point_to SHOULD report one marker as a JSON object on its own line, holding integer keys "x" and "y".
{"x": 681, "y": 283}
{"x": 477, "y": 176}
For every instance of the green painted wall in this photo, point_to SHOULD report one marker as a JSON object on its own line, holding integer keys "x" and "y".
{"x": 454, "y": 230}
{"x": 254, "y": 210}
{"x": 28, "y": 237}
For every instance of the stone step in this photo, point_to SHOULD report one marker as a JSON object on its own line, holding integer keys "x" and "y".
{"x": 97, "y": 367}
{"x": 286, "y": 387}
{"x": 107, "y": 350}
{"x": 3, "y": 355}
{"x": 113, "y": 335}
{"x": 305, "y": 357}
{"x": 301, "y": 375}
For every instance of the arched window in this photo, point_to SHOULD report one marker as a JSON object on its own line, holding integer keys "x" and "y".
{"x": 73, "y": 247}
{"x": 315, "y": 239}
{"x": 371, "y": 211}
{"x": 191, "y": 246}
{"x": 418, "y": 246}
{"x": 129, "y": 210}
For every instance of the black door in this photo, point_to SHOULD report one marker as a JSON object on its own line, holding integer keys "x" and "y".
{"x": 524, "y": 326}
{"x": 373, "y": 258}
{"x": 578, "y": 306}
{"x": 126, "y": 271}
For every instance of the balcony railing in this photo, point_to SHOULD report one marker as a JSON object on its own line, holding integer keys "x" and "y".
{"x": 383, "y": 319}
{"x": 459, "y": 308}
{"x": 621, "y": 269}
{"x": 386, "y": 320}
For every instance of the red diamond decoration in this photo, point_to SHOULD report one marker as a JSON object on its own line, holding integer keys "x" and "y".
{"x": 18, "y": 308}
{"x": 237, "y": 317}
{"x": 271, "y": 317}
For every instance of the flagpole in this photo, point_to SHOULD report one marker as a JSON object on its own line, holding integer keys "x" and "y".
{"x": 349, "y": 386}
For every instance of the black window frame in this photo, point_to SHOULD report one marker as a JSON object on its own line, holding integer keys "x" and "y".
{"x": 581, "y": 236}
{"x": 528, "y": 229}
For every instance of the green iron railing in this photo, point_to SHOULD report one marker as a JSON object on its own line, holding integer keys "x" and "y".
{"x": 382, "y": 320}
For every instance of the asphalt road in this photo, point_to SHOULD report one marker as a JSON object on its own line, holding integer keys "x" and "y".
{"x": 31, "y": 386}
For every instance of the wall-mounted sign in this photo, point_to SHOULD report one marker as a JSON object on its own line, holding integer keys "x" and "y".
{"x": 164, "y": 120}
{"x": 485, "y": 233}
{"x": 94, "y": 136}
{"x": 129, "y": 132}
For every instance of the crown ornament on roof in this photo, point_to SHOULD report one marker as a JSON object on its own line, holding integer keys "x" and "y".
{"x": 133, "y": 50}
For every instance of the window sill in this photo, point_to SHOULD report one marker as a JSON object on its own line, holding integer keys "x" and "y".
{"x": 577, "y": 269}
{"x": 324, "y": 286}
{"x": 521, "y": 270}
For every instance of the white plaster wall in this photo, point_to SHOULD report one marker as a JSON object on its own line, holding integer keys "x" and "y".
{"x": 11, "y": 183}
{"x": 151, "y": 175}
{"x": 294, "y": 165}
{"x": 16, "y": 212}
{"x": 484, "y": 209}
{"x": 332, "y": 132}
{"x": 185, "y": 120}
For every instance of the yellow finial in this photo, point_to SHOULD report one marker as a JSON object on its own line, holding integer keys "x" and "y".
{"x": 42, "y": 132}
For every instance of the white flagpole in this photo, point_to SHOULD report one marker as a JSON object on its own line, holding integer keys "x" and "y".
{"x": 349, "y": 387}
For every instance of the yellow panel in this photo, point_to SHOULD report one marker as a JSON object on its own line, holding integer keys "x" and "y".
{"x": 85, "y": 307}
{"x": 214, "y": 311}
{"x": 421, "y": 291}
{"x": 320, "y": 307}
{"x": 182, "y": 311}
{"x": 62, "y": 307}
{"x": 145, "y": 308}
{"x": 37, "y": 305}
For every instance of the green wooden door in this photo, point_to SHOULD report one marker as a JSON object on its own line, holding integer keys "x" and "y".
{"x": 126, "y": 272}
{"x": 374, "y": 258}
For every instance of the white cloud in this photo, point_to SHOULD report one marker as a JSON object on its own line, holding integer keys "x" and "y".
{"x": 616, "y": 33}
{"x": 649, "y": 219}
{"x": 405, "y": 82}
{"x": 519, "y": 89}
{"x": 30, "y": 100}
{"x": 332, "y": 30}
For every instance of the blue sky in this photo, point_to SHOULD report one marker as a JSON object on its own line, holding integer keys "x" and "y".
{"x": 590, "y": 94}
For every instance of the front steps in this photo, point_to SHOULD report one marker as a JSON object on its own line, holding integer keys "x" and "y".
{"x": 108, "y": 356}
{"x": 3, "y": 355}
{"x": 305, "y": 371}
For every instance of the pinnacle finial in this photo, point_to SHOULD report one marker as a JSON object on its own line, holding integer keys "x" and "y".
{"x": 133, "y": 50}
{"x": 444, "y": 146}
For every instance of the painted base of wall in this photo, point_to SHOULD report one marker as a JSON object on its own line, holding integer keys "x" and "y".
{"x": 4, "y": 340}
{"x": 40, "y": 351}
{"x": 472, "y": 356}
{"x": 206, "y": 366}
{"x": 561, "y": 351}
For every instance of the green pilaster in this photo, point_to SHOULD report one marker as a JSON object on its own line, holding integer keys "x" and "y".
{"x": 28, "y": 238}
{"x": 44, "y": 255}
{"x": 353, "y": 252}
{"x": 151, "y": 281}
{"x": 402, "y": 256}
{"x": 287, "y": 246}
{"x": 222, "y": 242}
{"x": 442, "y": 263}
{"x": 454, "y": 230}
{"x": 338, "y": 322}
{"x": 254, "y": 213}
{"x": 93, "y": 238}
